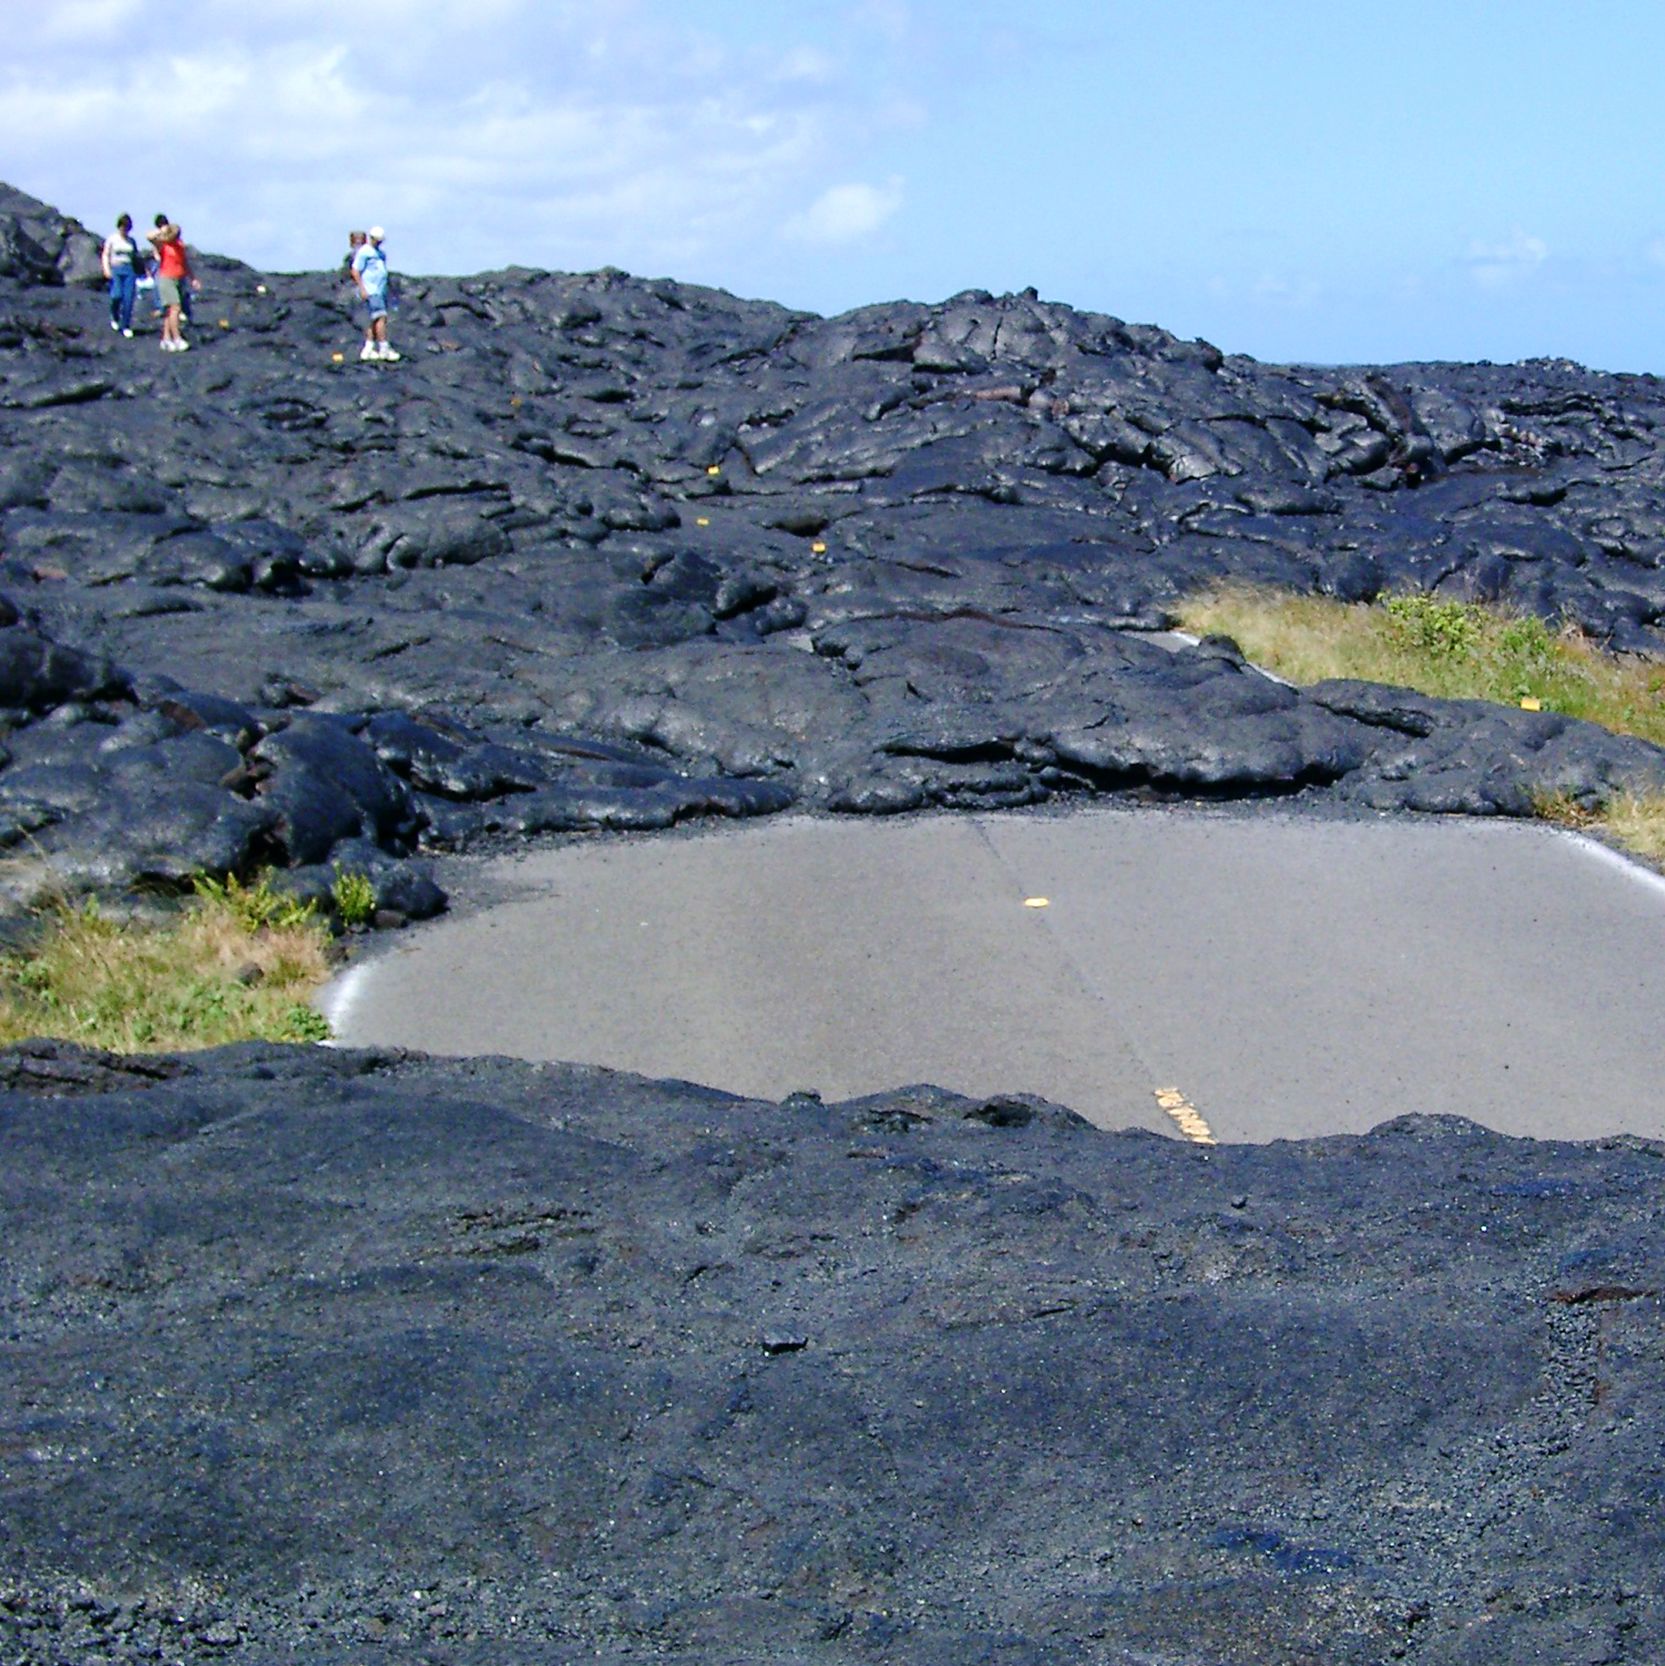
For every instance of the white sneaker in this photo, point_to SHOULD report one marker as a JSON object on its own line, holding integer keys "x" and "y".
{"x": 369, "y": 355}
{"x": 128, "y": 334}
{"x": 387, "y": 355}
{"x": 114, "y": 325}
{"x": 182, "y": 345}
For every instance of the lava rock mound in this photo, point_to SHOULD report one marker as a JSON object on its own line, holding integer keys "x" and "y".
{"x": 611, "y": 553}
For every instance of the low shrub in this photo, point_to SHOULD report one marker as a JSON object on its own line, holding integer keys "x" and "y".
{"x": 1441, "y": 629}
{"x": 354, "y": 897}
{"x": 254, "y": 907}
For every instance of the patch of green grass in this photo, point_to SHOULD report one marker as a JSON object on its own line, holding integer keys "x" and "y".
{"x": 1459, "y": 651}
{"x": 237, "y": 964}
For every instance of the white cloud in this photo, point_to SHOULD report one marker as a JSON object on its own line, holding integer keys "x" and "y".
{"x": 846, "y": 213}
{"x": 1266, "y": 288}
{"x": 72, "y": 23}
{"x": 807, "y": 63}
{"x": 892, "y": 19}
{"x": 1279, "y": 289}
{"x": 1496, "y": 265}
{"x": 570, "y": 133}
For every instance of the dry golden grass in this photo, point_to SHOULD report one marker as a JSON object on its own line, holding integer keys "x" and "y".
{"x": 1457, "y": 650}
{"x": 1637, "y": 821}
{"x": 1304, "y": 639}
{"x": 1633, "y": 820}
{"x": 236, "y": 965}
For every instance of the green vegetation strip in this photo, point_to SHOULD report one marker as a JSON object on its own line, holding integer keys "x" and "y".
{"x": 237, "y": 963}
{"x": 1459, "y": 651}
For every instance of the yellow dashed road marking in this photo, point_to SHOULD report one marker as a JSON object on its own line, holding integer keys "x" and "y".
{"x": 1186, "y": 1116}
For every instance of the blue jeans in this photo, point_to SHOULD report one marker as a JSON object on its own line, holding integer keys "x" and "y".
{"x": 123, "y": 292}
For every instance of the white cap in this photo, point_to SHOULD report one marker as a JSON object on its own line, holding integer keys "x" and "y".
{"x": 377, "y": 234}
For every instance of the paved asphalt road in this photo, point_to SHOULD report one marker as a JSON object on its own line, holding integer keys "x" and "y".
{"x": 1245, "y": 977}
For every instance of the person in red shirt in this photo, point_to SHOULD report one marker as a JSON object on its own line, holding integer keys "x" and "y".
{"x": 173, "y": 273}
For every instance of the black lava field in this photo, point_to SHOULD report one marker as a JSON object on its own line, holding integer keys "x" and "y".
{"x": 347, "y": 1357}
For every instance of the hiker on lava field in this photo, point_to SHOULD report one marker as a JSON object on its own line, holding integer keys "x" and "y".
{"x": 172, "y": 278}
{"x": 120, "y": 260}
{"x": 370, "y": 276}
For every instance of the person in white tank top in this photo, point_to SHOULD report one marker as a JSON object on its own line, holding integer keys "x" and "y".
{"x": 120, "y": 260}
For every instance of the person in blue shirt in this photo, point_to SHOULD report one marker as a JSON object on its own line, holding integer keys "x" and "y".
{"x": 370, "y": 277}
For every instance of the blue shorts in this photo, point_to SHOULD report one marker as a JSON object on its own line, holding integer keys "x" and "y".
{"x": 375, "y": 304}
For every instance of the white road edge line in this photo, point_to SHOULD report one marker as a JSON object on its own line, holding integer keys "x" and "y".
{"x": 1615, "y": 859}
{"x": 1191, "y": 641}
{"x": 338, "y": 999}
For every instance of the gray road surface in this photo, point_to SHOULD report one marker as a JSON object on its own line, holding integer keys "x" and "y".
{"x": 1261, "y": 976}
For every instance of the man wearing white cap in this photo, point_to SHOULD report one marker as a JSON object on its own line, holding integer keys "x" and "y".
{"x": 370, "y": 275}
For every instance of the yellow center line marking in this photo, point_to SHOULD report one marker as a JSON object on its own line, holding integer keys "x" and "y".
{"x": 1186, "y": 1117}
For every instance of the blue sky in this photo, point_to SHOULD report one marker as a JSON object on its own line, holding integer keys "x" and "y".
{"x": 1296, "y": 179}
